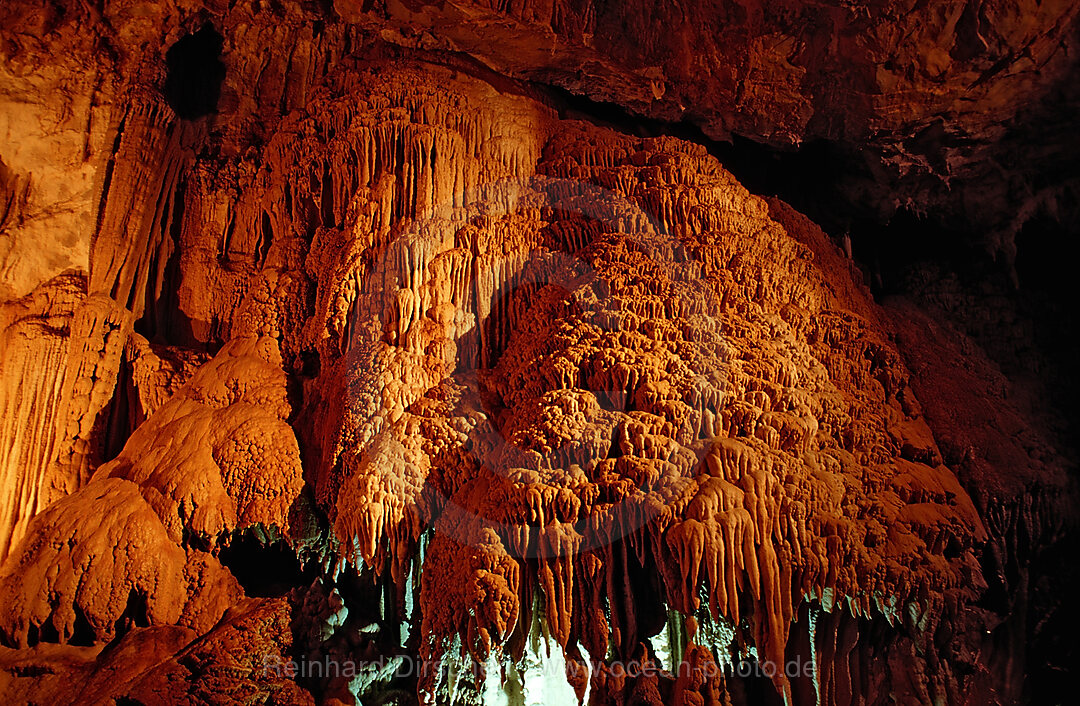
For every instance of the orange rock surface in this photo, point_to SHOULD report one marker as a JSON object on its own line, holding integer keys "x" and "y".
{"x": 455, "y": 359}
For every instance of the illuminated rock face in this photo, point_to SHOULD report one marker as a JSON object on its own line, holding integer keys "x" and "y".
{"x": 389, "y": 359}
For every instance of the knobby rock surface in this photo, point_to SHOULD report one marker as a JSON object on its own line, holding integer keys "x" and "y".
{"x": 336, "y": 333}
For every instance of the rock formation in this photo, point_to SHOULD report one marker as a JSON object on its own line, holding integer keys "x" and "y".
{"x": 348, "y": 359}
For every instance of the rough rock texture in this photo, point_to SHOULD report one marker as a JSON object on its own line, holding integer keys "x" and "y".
{"x": 943, "y": 96}
{"x": 963, "y": 110}
{"x": 325, "y": 336}
{"x": 215, "y": 458}
{"x": 155, "y": 665}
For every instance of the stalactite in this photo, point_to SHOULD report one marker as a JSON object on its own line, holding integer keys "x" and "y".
{"x": 758, "y": 517}
{"x": 545, "y": 378}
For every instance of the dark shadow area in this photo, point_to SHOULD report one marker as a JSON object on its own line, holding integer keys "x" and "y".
{"x": 809, "y": 177}
{"x": 163, "y": 321}
{"x": 1046, "y": 255}
{"x": 195, "y": 74}
{"x": 265, "y": 570}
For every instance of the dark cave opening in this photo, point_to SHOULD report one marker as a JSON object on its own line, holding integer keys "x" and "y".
{"x": 749, "y": 685}
{"x": 265, "y": 569}
{"x": 1046, "y": 253}
{"x": 887, "y": 252}
{"x": 195, "y": 73}
{"x": 370, "y": 632}
{"x": 135, "y": 615}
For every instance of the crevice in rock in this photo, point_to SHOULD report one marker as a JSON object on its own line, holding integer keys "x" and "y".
{"x": 135, "y": 615}
{"x": 163, "y": 321}
{"x": 119, "y": 423}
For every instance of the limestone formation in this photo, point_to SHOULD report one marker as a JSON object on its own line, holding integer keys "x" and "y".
{"x": 343, "y": 347}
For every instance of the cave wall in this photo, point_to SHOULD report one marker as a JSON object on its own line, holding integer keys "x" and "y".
{"x": 361, "y": 281}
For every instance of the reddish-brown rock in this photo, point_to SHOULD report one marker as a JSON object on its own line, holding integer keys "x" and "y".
{"x": 382, "y": 338}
